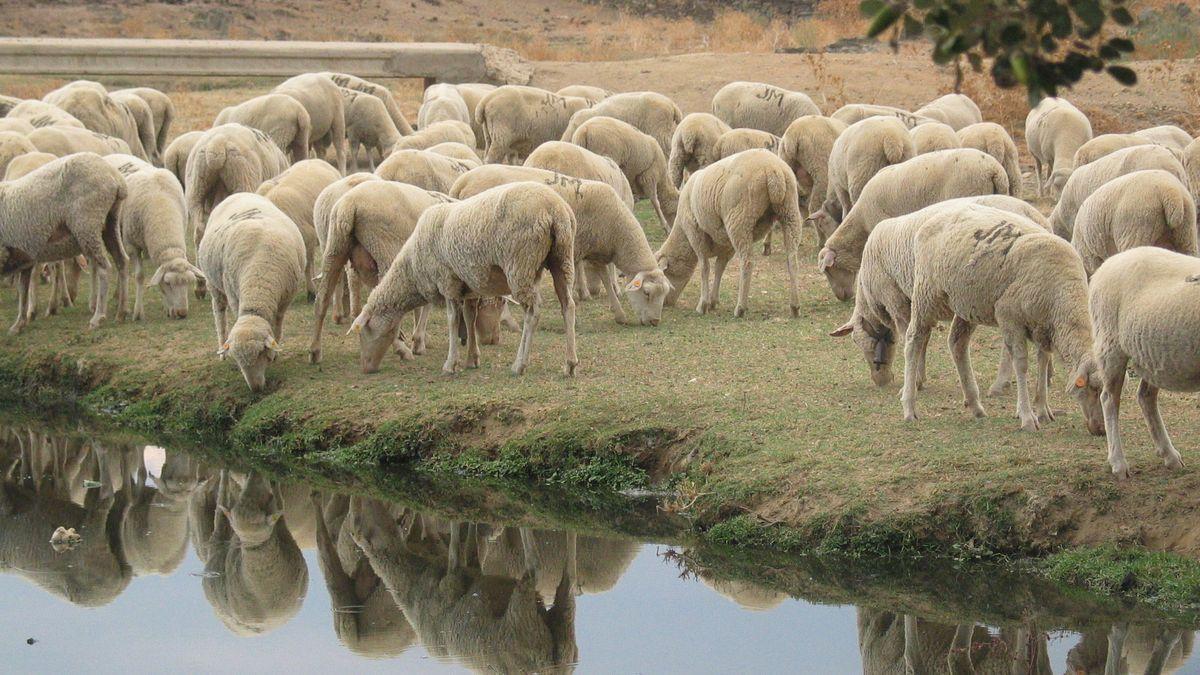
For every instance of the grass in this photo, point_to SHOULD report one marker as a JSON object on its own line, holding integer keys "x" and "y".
{"x": 1158, "y": 579}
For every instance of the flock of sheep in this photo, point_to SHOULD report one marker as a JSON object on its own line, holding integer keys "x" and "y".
{"x": 918, "y": 215}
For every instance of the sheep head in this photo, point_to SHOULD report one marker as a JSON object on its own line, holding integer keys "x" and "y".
{"x": 647, "y": 292}
{"x": 1085, "y": 385}
{"x": 252, "y": 346}
{"x": 257, "y": 510}
{"x": 376, "y": 332}
{"x": 877, "y": 342}
{"x": 840, "y": 269}
{"x": 1058, "y": 181}
{"x": 174, "y": 279}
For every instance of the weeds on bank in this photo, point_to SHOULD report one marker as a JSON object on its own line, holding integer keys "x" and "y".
{"x": 1163, "y": 580}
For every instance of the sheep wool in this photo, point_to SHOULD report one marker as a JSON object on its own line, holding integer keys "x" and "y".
{"x": 754, "y": 105}
{"x": 692, "y": 145}
{"x": 651, "y": 113}
{"x": 640, "y": 158}
{"x": 572, "y": 160}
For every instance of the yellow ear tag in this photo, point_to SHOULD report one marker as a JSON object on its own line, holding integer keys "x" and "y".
{"x": 1080, "y": 382}
{"x": 225, "y": 346}
{"x": 637, "y": 283}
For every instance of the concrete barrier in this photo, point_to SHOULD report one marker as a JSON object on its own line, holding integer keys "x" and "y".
{"x": 431, "y": 61}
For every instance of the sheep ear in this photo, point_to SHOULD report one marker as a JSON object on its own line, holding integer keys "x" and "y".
{"x": 157, "y": 278}
{"x": 360, "y": 322}
{"x": 273, "y": 345}
{"x": 636, "y": 283}
{"x": 843, "y": 330}
{"x": 317, "y": 279}
{"x": 197, "y": 272}
{"x": 825, "y": 259}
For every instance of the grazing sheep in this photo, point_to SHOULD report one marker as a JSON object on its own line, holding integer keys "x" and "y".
{"x": 63, "y": 141}
{"x": 517, "y": 119}
{"x": 447, "y": 131}
{"x": 1142, "y": 302}
{"x": 981, "y": 265}
{"x": 606, "y": 233}
{"x": 378, "y": 91}
{"x": 956, "y": 110}
{"x": 934, "y": 136}
{"x": 152, "y": 220}
{"x": 326, "y": 113}
{"x": 228, "y": 159}
{"x": 442, "y": 102}
{"x": 640, "y": 158}
{"x": 143, "y": 118}
{"x": 754, "y": 105}
{"x": 883, "y": 291}
{"x": 42, "y": 114}
{"x": 99, "y": 112}
{"x": 345, "y": 303}
{"x": 454, "y": 255}
{"x": 1088, "y": 179}
{"x": 1166, "y": 135}
{"x": 857, "y": 155}
{"x": 455, "y": 150}
{"x": 162, "y": 110}
{"x": 593, "y": 94}
{"x": 852, "y": 113}
{"x": 367, "y": 228}
{"x": 1106, "y": 144}
{"x": 21, "y": 165}
{"x": 571, "y": 160}
{"x": 650, "y": 112}
{"x": 736, "y": 140}
{"x": 1054, "y": 132}
{"x": 253, "y": 259}
{"x": 1143, "y": 208}
{"x": 16, "y": 125}
{"x": 805, "y": 147}
{"x": 473, "y": 93}
{"x": 426, "y": 170}
{"x": 175, "y": 157}
{"x": 726, "y": 207}
{"x": 368, "y": 127}
{"x": 13, "y": 145}
{"x": 281, "y": 117}
{"x": 80, "y": 193}
{"x": 993, "y": 139}
{"x": 692, "y": 144}
{"x": 7, "y": 103}
{"x": 295, "y": 192}
{"x": 901, "y": 189}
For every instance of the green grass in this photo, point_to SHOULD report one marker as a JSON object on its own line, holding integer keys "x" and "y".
{"x": 1162, "y": 580}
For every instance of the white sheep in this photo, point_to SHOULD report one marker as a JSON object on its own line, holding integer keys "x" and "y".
{"x": 640, "y": 158}
{"x": 13, "y": 145}
{"x": 993, "y": 139}
{"x": 754, "y": 105}
{"x": 89, "y": 103}
{"x": 726, "y": 207}
{"x": 16, "y": 125}
{"x": 22, "y": 165}
{"x": 901, "y": 189}
{"x": 426, "y": 170}
{"x": 473, "y": 93}
{"x": 143, "y": 117}
{"x": 805, "y": 147}
{"x": 1190, "y": 157}
{"x": 295, "y": 192}
{"x": 1166, "y": 135}
{"x": 934, "y": 136}
{"x": 226, "y": 160}
{"x": 80, "y": 193}
{"x": 175, "y": 157}
{"x": 453, "y": 255}
{"x": 1142, "y": 303}
{"x": 571, "y": 160}
{"x": 1087, "y": 179}
{"x": 446, "y": 131}
{"x": 692, "y": 144}
{"x": 346, "y": 300}
{"x": 1143, "y": 208}
{"x": 593, "y": 94}
{"x": 281, "y": 117}
{"x": 152, "y": 221}
{"x": 517, "y": 119}
{"x": 980, "y": 265}
{"x": 161, "y": 108}
{"x": 1106, "y": 144}
{"x": 858, "y": 153}
{"x": 369, "y": 128}
{"x": 455, "y": 150}
{"x": 442, "y": 102}
{"x": 378, "y": 91}
{"x": 7, "y": 103}
{"x": 606, "y": 233}
{"x": 852, "y": 113}
{"x": 63, "y": 141}
{"x": 956, "y": 110}
{"x": 652, "y": 113}
{"x": 1054, "y": 131}
{"x": 42, "y": 114}
{"x": 253, "y": 258}
{"x": 326, "y": 112}
{"x": 736, "y": 140}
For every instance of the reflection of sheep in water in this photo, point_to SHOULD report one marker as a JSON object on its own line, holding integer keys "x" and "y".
{"x": 1126, "y": 649}
{"x": 747, "y": 595}
{"x": 256, "y": 577}
{"x": 601, "y": 561}
{"x": 897, "y": 644}
{"x": 154, "y": 528}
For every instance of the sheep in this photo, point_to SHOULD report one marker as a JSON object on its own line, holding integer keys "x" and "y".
{"x": 901, "y": 189}
{"x": 650, "y": 112}
{"x": 1143, "y": 208}
{"x": 517, "y": 119}
{"x": 934, "y": 136}
{"x": 857, "y": 155}
{"x": 754, "y": 105}
{"x": 883, "y": 290}
{"x": 1166, "y": 135}
{"x": 346, "y": 294}
{"x": 572, "y": 160}
{"x": 606, "y": 233}
{"x": 736, "y": 140}
{"x": 162, "y": 110}
{"x": 442, "y": 102}
{"x": 368, "y": 127}
{"x": 692, "y": 144}
{"x": 1089, "y": 178}
{"x": 92, "y": 106}
{"x": 13, "y": 145}
{"x": 1054, "y": 131}
{"x": 454, "y": 254}
{"x": 16, "y": 125}
{"x": 175, "y": 157}
{"x": 981, "y": 265}
{"x": 152, "y": 220}
{"x": 80, "y": 193}
{"x": 22, "y": 165}
{"x": 993, "y": 139}
{"x": 593, "y": 94}
{"x": 1190, "y": 157}
{"x": 295, "y": 192}
{"x": 426, "y": 170}
{"x": 253, "y": 259}
{"x": 63, "y": 141}
{"x": 326, "y": 112}
{"x": 1106, "y": 144}
{"x": 378, "y": 91}
{"x": 455, "y": 150}
{"x": 729, "y": 205}
{"x": 281, "y": 117}
{"x": 857, "y": 112}
{"x": 228, "y": 159}
{"x": 42, "y": 114}
{"x": 7, "y": 103}
{"x": 1141, "y": 303}
{"x": 956, "y": 110}
{"x": 473, "y": 93}
{"x": 143, "y": 118}
{"x": 447, "y": 131}
{"x": 640, "y": 158}
{"x": 367, "y": 228}
{"x": 805, "y": 147}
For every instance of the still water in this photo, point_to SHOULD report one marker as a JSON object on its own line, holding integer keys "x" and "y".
{"x": 185, "y": 567}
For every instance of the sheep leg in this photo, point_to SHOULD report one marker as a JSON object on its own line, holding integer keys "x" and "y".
{"x": 563, "y": 290}
{"x": 1148, "y": 400}
{"x": 1116, "y": 648}
{"x": 470, "y": 311}
{"x": 453, "y": 314}
{"x": 506, "y": 318}
{"x": 139, "y": 280}
{"x": 791, "y": 244}
{"x": 714, "y": 296}
{"x": 960, "y": 351}
{"x": 92, "y": 291}
{"x": 1014, "y": 340}
{"x": 1041, "y": 395}
{"x": 341, "y": 297}
{"x": 767, "y": 242}
{"x": 72, "y": 270}
{"x": 747, "y": 267}
{"x": 31, "y": 296}
{"x": 1037, "y": 174}
{"x": 582, "y": 290}
{"x": 527, "y": 328}
{"x": 916, "y": 342}
{"x": 911, "y": 639}
{"x": 959, "y": 659}
{"x": 56, "y": 285}
{"x": 331, "y": 282}
{"x": 614, "y": 297}
{"x": 219, "y": 305}
{"x": 354, "y": 287}
{"x": 23, "y": 281}
{"x": 652, "y": 190}
{"x": 704, "y": 304}
{"x": 1004, "y": 375}
{"x": 100, "y": 272}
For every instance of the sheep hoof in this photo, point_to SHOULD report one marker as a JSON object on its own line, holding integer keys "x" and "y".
{"x": 518, "y": 369}
{"x": 795, "y": 311}
{"x": 1045, "y": 416}
{"x": 94, "y": 324}
{"x": 15, "y": 330}
{"x": 473, "y": 362}
{"x": 1173, "y": 461}
{"x": 739, "y": 312}
{"x": 998, "y": 389}
{"x": 450, "y": 368}
{"x": 418, "y": 347}
{"x": 314, "y": 356}
{"x": 569, "y": 368}
{"x": 1121, "y": 471}
{"x": 976, "y": 410}
{"x": 1030, "y": 423}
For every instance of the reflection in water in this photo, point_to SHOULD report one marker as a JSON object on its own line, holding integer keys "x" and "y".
{"x": 489, "y": 597}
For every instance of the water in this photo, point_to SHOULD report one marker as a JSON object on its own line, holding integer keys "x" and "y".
{"x": 188, "y": 568}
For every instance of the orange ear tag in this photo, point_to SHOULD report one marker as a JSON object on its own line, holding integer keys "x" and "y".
{"x": 1080, "y": 382}
{"x": 637, "y": 283}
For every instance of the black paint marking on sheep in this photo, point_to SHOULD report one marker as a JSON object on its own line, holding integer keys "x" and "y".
{"x": 567, "y": 182}
{"x": 42, "y": 121}
{"x": 128, "y": 168}
{"x": 258, "y": 133}
{"x": 999, "y": 240}
{"x": 772, "y": 94}
{"x": 245, "y": 215}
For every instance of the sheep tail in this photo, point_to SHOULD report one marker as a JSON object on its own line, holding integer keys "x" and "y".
{"x": 561, "y": 260}
{"x": 337, "y": 238}
{"x": 1179, "y": 213}
{"x": 785, "y": 198}
{"x": 199, "y": 177}
{"x": 1000, "y": 182}
{"x": 482, "y": 120}
{"x": 893, "y": 149}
